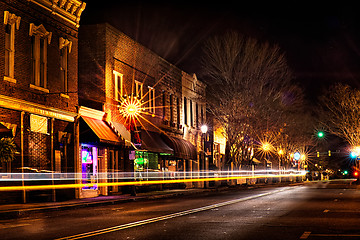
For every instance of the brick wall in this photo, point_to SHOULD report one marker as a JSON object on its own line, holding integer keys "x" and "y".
{"x": 37, "y": 146}
{"x": 29, "y": 13}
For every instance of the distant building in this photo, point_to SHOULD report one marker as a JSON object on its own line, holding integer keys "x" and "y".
{"x": 115, "y": 70}
{"x": 38, "y": 82}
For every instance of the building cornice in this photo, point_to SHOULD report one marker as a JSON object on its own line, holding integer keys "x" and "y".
{"x": 69, "y": 10}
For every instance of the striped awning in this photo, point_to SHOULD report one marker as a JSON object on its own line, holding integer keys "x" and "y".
{"x": 152, "y": 141}
{"x": 182, "y": 148}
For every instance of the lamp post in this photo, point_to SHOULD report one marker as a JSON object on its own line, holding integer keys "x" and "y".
{"x": 204, "y": 129}
{"x": 281, "y": 153}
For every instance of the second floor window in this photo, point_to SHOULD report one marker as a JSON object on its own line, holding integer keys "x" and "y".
{"x": 151, "y": 99}
{"x": 185, "y": 112}
{"x": 40, "y": 40}
{"x": 11, "y": 22}
{"x": 118, "y": 86}
{"x": 138, "y": 91}
{"x": 65, "y": 49}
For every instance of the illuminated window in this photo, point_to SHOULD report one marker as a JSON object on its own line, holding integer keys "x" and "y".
{"x": 118, "y": 85}
{"x": 152, "y": 99}
{"x": 65, "y": 49}
{"x": 40, "y": 40}
{"x": 11, "y": 22}
{"x": 138, "y": 89}
{"x": 38, "y": 124}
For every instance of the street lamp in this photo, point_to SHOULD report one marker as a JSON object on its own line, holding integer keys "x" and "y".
{"x": 204, "y": 129}
{"x": 281, "y": 153}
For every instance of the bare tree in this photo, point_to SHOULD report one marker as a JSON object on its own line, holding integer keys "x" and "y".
{"x": 250, "y": 91}
{"x": 341, "y": 112}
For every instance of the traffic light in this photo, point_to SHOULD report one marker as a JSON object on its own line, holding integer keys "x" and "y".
{"x": 356, "y": 174}
{"x": 346, "y": 172}
{"x": 320, "y": 134}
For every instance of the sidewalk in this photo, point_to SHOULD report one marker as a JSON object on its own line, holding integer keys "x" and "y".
{"x": 10, "y": 211}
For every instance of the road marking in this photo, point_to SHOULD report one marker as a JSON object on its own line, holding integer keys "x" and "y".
{"x": 169, "y": 216}
{"x": 335, "y": 235}
{"x": 305, "y": 235}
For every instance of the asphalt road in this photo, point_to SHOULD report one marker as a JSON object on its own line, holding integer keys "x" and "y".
{"x": 316, "y": 210}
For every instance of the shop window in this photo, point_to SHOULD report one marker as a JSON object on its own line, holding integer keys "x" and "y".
{"x": 89, "y": 166}
{"x": 146, "y": 161}
{"x": 38, "y": 124}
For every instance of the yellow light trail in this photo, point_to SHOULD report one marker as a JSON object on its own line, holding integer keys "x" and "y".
{"x": 149, "y": 182}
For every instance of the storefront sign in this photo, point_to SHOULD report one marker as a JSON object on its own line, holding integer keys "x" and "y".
{"x": 21, "y": 105}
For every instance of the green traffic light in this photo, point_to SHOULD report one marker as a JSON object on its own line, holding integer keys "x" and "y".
{"x": 320, "y": 134}
{"x": 345, "y": 172}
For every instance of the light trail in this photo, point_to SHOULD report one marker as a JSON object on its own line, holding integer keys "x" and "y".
{"x": 10, "y": 177}
{"x": 225, "y": 175}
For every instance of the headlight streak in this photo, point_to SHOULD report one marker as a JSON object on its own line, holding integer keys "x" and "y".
{"x": 136, "y": 178}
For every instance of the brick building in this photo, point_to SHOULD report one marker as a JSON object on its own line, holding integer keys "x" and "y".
{"x": 38, "y": 82}
{"x": 114, "y": 71}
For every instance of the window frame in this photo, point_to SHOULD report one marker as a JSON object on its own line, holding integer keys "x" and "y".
{"x": 118, "y": 90}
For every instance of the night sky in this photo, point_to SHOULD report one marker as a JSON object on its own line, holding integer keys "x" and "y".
{"x": 321, "y": 41}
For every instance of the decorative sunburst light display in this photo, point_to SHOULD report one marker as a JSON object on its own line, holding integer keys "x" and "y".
{"x": 130, "y": 108}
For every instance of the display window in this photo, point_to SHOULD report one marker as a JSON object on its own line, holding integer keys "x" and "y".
{"x": 89, "y": 166}
{"x": 145, "y": 161}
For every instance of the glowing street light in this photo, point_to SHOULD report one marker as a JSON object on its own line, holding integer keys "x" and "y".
{"x": 204, "y": 129}
{"x": 266, "y": 147}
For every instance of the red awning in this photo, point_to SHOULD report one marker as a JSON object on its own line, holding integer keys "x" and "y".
{"x": 101, "y": 130}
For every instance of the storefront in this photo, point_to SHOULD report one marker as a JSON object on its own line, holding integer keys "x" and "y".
{"x": 101, "y": 153}
{"x": 151, "y": 156}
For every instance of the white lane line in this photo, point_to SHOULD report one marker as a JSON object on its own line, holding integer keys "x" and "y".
{"x": 335, "y": 235}
{"x": 169, "y": 216}
{"x": 305, "y": 235}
